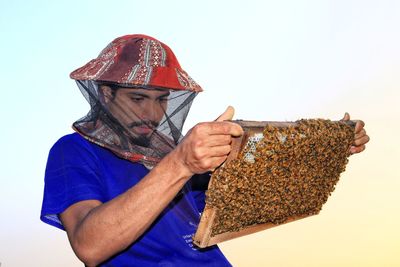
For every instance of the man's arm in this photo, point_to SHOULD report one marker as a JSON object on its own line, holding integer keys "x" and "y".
{"x": 98, "y": 230}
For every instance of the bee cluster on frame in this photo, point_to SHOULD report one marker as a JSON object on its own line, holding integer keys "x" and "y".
{"x": 291, "y": 171}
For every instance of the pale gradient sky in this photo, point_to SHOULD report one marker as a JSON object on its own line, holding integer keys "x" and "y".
{"x": 271, "y": 60}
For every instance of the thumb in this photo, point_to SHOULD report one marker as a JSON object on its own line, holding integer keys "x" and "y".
{"x": 227, "y": 115}
{"x": 346, "y": 117}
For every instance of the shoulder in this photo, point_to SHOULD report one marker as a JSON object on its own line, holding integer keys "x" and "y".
{"x": 72, "y": 142}
{"x": 72, "y": 139}
{"x": 72, "y": 149}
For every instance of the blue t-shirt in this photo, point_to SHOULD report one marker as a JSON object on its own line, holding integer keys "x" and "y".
{"x": 80, "y": 170}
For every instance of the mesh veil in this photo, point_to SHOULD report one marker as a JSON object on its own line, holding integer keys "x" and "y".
{"x": 109, "y": 124}
{"x": 139, "y": 98}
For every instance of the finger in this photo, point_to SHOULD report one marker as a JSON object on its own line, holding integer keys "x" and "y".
{"x": 204, "y": 153}
{"x": 219, "y": 151}
{"x": 360, "y": 134}
{"x": 211, "y": 163}
{"x": 361, "y": 141}
{"x": 225, "y": 127}
{"x": 359, "y": 126}
{"x": 217, "y": 161}
{"x": 346, "y": 117}
{"x": 357, "y": 149}
{"x": 218, "y": 140}
{"x": 227, "y": 115}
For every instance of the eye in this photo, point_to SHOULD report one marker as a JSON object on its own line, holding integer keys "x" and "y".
{"x": 137, "y": 99}
{"x": 163, "y": 99}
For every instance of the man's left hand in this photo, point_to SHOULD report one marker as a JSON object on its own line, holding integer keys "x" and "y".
{"x": 360, "y": 135}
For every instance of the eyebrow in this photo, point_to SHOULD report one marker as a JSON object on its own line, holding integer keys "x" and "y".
{"x": 147, "y": 96}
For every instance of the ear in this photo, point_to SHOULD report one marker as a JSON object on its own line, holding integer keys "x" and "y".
{"x": 106, "y": 94}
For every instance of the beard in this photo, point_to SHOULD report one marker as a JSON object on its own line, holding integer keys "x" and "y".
{"x": 142, "y": 139}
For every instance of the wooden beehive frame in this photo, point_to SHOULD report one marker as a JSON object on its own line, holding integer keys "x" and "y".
{"x": 203, "y": 236}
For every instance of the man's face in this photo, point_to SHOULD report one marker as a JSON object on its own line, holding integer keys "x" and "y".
{"x": 138, "y": 110}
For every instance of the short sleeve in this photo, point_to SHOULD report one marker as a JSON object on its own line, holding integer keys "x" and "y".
{"x": 72, "y": 175}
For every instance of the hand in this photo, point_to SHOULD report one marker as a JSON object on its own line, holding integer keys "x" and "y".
{"x": 208, "y": 144}
{"x": 360, "y": 135}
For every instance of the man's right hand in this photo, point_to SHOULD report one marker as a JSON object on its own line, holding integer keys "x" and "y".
{"x": 208, "y": 144}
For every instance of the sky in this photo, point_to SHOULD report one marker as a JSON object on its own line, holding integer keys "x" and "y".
{"x": 271, "y": 60}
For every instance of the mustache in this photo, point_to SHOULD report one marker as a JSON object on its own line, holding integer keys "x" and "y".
{"x": 150, "y": 124}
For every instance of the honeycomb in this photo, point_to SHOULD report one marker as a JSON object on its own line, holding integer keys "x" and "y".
{"x": 281, "y": 173}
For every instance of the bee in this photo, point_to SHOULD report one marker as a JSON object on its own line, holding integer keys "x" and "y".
{"x": 295, "y": 170}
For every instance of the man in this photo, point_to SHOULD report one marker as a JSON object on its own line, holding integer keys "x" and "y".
{"x": 127, "y": 186}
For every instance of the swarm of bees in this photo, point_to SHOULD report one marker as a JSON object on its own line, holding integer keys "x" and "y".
{"x": 290, "y": 172}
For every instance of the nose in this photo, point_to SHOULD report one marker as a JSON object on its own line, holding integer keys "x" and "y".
{"x": 153, "y": 111}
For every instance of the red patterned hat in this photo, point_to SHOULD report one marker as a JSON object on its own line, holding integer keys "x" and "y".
{"x": 137, "y": 60}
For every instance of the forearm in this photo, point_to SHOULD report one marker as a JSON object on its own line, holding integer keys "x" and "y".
{"x": 98, "y": 231}
{"x": 113, "y": 226}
